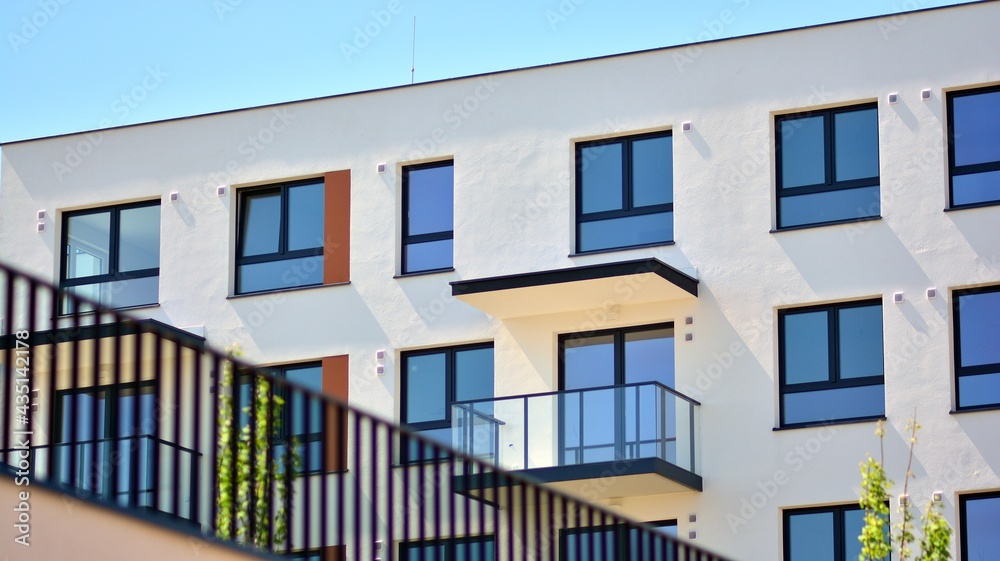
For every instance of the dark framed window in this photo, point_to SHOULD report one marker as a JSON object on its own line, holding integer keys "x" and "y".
{"x": 280, "y": 236}
{"x": 624, "y": 192}
{"x": 823, "y": 533}
{"x": 974, "y": 147}
{"x": 827, "y": 166}
{"x": 478, "y": 548}
{"x": 302, "y": 416}
{"x": 615, "y": 543}
{"x": 428, "y": 217}
{"x": 977, "y": 347}
{"x": 112, "y": 255}
{"x": 432, "y": 380}
{"x": 830, "y": 362}
{"x": 979, "y": 518}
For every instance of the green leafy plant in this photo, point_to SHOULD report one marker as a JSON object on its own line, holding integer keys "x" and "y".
{"x": 876, "y": 543}
{"x": 250, "y": 476}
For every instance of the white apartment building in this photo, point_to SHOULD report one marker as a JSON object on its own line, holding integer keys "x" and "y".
{"x": 685, "y": 283}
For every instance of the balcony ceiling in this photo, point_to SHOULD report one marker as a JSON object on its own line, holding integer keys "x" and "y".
{"x": 577, "y": 288}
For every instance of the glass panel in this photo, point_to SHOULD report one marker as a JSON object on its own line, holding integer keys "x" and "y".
{"x": 972, "y": 188}
{"x": 89, "y": 248}
{"x": 652, "y": 171}
{"x": 591, "y": 545}
{"x": 644, "y": 545}
{"x": 597, "y": 434}
{"x": 311, "y": 377}
{"x": 829, "y": 206}
{"x": 982, "y": 518}
{"x": 628, "y": 231}
{"x": 854, "y": 520}
{"x": 474, "y": 374}
{"x": 810, "y": 537}
{"x": 139, "y": 238}
{"x": 835, "y": 404}
{"x": 601, "y": 178}
{"x": 430, "y": 199}
{"x": 981, "y": 389}
{"x": 428, "y": 256}
{"x": 117, "y": 294}
{"x": 426, "y": 393}
{"x": 803, "y": 152}
{"x": 305, "y": 216}
{"x": 977, "y": 128}
{"x": 979, "y": 328}
{"x": 588, "y": 362}
{"x": 649, "y": 356}
{"x": 421, "y": 552}
{"x": 286, "y": 273}
{"x": 477, "y": 550}
{"x": 806, "y": 347}
{"x": 855, "y": 144}
{"x": 262, "y": 224}
{"x": 412, "y": 447}
{"x": 860, "y": 333}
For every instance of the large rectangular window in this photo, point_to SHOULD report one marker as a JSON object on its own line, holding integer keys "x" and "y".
{"x": 977, "y": 347}
{"x": 428, "y": 217}
{"x": 827, "y": 166}
{"x": 624, "y": 192}
{"x": 979, "y": 518}
{"x": 823, "y": 534}
{"x": 454, "y": 549}
{"x": 974, "y": 147}
{"x": 281, "y": 236}
{"x": 433, "y": 379}
{"x": 616, "y": 543}
{"x": 302, "y": 419}
{"x": 112, "y": 255}
{"x": 831, "y": 363}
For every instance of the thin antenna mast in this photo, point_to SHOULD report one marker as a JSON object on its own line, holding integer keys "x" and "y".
{"x": 413, "y": 50}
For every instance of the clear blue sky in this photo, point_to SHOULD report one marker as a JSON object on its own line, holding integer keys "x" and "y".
{"x": 73, "y": 65}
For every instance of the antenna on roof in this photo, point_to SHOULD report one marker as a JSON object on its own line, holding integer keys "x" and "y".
{"x": 413, "y": 50}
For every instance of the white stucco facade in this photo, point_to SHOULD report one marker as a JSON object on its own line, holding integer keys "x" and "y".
{"x": 511, "y": 136}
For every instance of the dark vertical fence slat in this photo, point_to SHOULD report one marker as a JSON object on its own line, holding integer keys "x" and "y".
{"x": 194, "y": 508}
{"x": 8, "y": 380}
{"x": 98, "y": 432}
{"x": 252, "y": 444}
{"x": 342, "y": 449}
{"x": 74, "y": 398}
{"x": 306, "y": 463}
{"x": 48, "y": 400}
{"x": 270, "y": 463}
{"x": 175, "y": 412}
{"x": 356, "y": 491}
{"x": 213, "y": 446}
{"x": 157, "y": 412}
{"x": 390, "y": 504}
{"x": 324, "y": 469}
{"x": 373, "y": 516}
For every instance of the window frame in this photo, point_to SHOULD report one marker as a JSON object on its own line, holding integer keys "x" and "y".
{"x": 114, "y": 244}
{"x": 622, "y": 536}
{"x": 954, "y": 170}
{"x": 619, "y": 334}
{"x": 963, "y": 535}
{"x": 449, "y": 382}
{"x": 960, "y": 371}
{"x": 305, "y": 439}
{"x": 839, "y": 532}
{"x": 830, "y": 184}
{"x": 449, "y": 543}
{"x": 407, "y": 239}
{"x": 834, "y": 380}
{"x": 283, "y": 254}
{"x": 627, "y": 191}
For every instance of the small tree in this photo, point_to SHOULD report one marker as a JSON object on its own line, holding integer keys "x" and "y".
{"x": 247, "y": 485}
{"x": 876, "y": 544}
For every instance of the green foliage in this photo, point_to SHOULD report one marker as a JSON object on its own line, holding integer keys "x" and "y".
{"x": 249, "y": 475}
{"x": 935, "y": 544}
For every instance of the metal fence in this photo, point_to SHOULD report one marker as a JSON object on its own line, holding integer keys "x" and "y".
{"x": 146, "y": 418}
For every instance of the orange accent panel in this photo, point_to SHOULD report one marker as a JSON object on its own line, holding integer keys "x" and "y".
{"x": 335, "y": 383}
{"x": 337, "y": 227}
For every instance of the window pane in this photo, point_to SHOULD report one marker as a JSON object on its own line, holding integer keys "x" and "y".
{"x": 428, "y": 256}
{"x": 425, "y": 389}
{"x": 829, "y": 206}
{"x": 806, "y": 347}
{"x": 652, "y": 171}
{"x": 308, "y": 376}
{"x": 473, "y": 374}
{"x": 979, "y": 328}
{"x": 854, "y": 520}
{"x": 972, "y": 188}
{"x": 311, "y": 377}
{"x": 601, "y": 178}
{"x": 860, "y": 335}
{"x": 89, "y": 248}
{"x": 982, "y": 518}
{"x": 803, "y": 152}
{"x": 589, "y": 362}
{"x": 421, "y": 552}
{"x": 139, "y": 238}
{"x": 832, "y": 405}
{"x": 810, "y": 536}
{"x": 478, "y": 550}
{"x": 977, "y": 390}
{"x": 855, "y": 144}
{"x": 649, "y": 356}
{"x": 117, "y": 294}
{"x": 430, "y": 200}
{"x": 305, "y": 216}
{"x": 287, "y": 273}
{"x": 628, "y": 231}
{"x": 977, "y": 128}
{"x": 262, "y": 224}
{"x": 591, "y": 545}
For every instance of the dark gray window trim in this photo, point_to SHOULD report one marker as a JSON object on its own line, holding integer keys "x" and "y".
{"x": 960, "y": 371}
{"x": 953, "y": 169}
{"x": 409, "y": 240}
{"x": 963, "y": 527}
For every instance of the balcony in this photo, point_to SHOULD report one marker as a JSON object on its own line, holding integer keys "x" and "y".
{"x": 599, "y": 443}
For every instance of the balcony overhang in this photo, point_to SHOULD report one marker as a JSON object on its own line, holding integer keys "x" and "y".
{"x": 577, "y": 288}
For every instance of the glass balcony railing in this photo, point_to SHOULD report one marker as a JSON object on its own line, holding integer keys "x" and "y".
{"x": 605, "y": 424}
